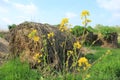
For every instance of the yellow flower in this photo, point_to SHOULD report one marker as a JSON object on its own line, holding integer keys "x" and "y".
{"x": 83, "y": 62}
{"x": 108, "y": 52}
{"x": 63, "y": 24}
{"x": 70, "y": 30}
{"x": 85, "y": 13}
{"x": 34, "y": 31}
{"x": 88, "y": 75}
{"x": 50, "y": 35}
{"x": 77, "y": 45}
{"x": 63, "y": 28}
{"x": 32, "y": 34}
{"x": 69, "y": 52}
{"x": 88, "y": 20}
{"x": 64, "y": 21}
{"x": 36, "y": 38}
{"x": 39, "y": 61}
{"x": 37, "y": 57}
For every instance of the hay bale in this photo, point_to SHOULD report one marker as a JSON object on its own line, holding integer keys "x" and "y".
{"x": 4, "y": 50}
{"x": 20, "y": 43}
{"x": 111, "y": 41}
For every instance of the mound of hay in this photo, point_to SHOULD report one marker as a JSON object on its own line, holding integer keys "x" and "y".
{"x": 21, "y": 45}
{"x": 111, "y": 41}
{"x": 4, "y": 50}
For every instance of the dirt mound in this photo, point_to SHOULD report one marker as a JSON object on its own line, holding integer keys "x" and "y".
{"x": 21, "y": 45}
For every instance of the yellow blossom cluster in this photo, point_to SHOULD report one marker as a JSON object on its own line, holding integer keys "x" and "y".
{"x": 77, "y": 45}
{"x": 37, "y": 57}
{"x": 33, "y": 35}
{"x": 108, "y": 52}
{"x": 69, "y": 52}
{"x": 83, "y": 62}
{"x": 84, "y": 15}
{"x": 50, "y": 35}
{"x": 63, "y": 24}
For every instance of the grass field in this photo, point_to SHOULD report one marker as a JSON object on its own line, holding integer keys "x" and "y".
{"x": 104, "y": 67}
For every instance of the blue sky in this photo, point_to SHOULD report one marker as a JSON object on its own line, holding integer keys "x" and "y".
{"x": 106, "y": 12}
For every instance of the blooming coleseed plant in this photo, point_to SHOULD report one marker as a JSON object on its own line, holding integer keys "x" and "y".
{"x": 63, "y": 24}
{"x": 84, "y": 15}
{"x": 33, "y": 36}
{"x": 83, "y": 62}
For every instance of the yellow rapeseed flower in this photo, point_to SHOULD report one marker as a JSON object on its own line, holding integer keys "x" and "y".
{"x": 84, "y": 63}
{"x": 50, "y": 35}
{"x": 88, "y": 20}
{"x": 63, "y": 24}
{"x": 69, "y": 52}
{"x": 82, "y": 60}
{"x": 85, "y": 13}
{"x": 37, "y": 57}
{"x": 108, "y": 52}
{"x": 33, "y": 35}
{"x": 39, "y": 61}
{"x": 64, "y": 21}
{"x": 34, "y": 31}
{"x": 88, "y": 76}
{"x": 77, "y": 45}
{"x": 36, "y": 38}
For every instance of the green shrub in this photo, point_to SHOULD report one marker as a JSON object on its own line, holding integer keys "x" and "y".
{"x": 77, "y": 30}
{"x": 105, "y": 30}
{"x": 11, "y": 26}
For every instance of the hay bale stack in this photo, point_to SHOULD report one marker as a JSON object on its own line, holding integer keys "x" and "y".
{"x": 20, "y": 44}
{"x": 111, "y": 41}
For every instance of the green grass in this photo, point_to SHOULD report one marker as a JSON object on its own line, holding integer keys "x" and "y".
{"x": 15, "y": 70}
{"x": 108, "y": 68}
{"x": 98, "y": 53}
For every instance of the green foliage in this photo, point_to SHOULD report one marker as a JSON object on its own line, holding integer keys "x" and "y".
{"x": 11, "y": 26}
{"x": 79, "y": 30}
{"x": 15, "y": 70}
{"x": 105, "y": 30}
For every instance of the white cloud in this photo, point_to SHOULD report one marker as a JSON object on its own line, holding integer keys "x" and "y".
{"x": 28, "y": 9}
{"x": 6, "y": 1}
{"x": 70, "y": 15}
{"x": 112, "y": 5}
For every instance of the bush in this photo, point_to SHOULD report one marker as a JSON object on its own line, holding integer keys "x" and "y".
{"x": 105, "y": 30}
{"x": 77, "y": 30}
{"x": 11, "y": 26}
